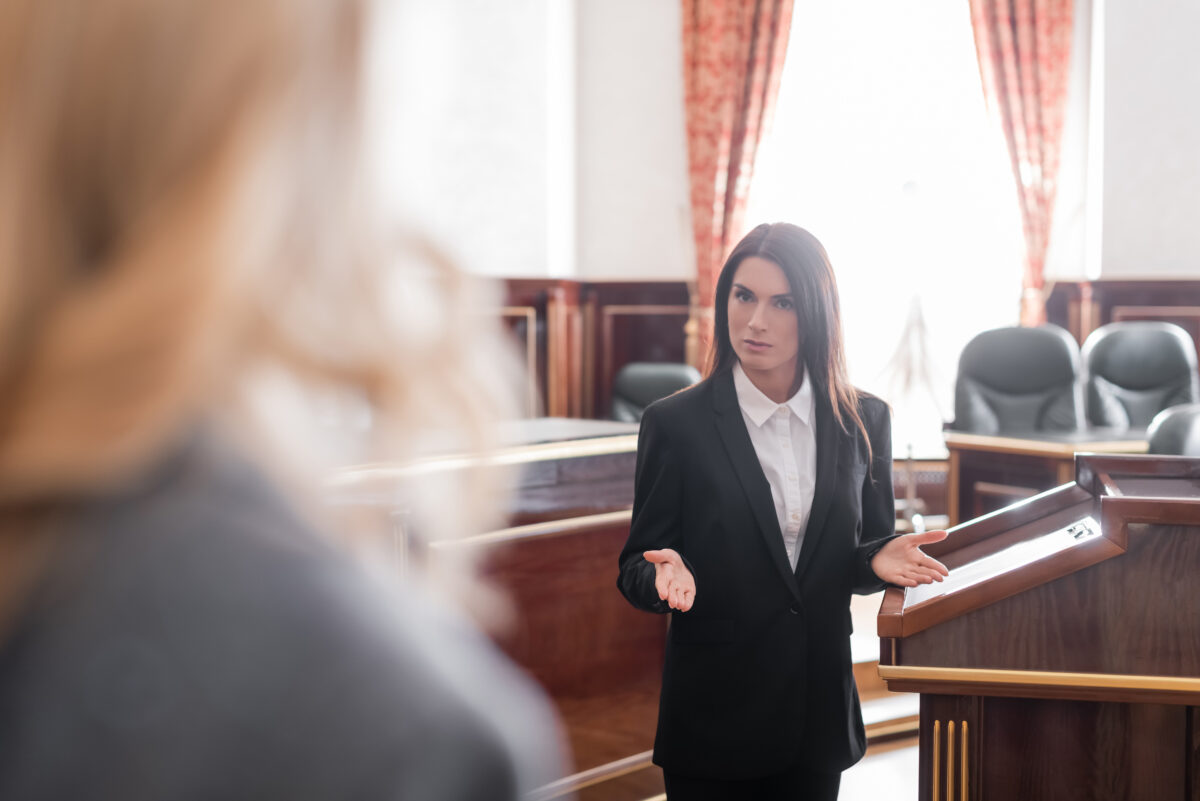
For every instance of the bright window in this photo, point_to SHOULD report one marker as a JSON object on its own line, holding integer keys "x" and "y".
{"x": 882, "y": 147}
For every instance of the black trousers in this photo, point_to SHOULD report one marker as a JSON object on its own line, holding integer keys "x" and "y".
{"x": 795, "y": 784}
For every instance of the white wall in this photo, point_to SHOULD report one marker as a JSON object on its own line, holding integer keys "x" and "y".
{"x": 536, "y": 138}
{"x": 460, "y": 115}
{"x": 634, "y": 219}
{"x": 1151, "y": 140}
{"x": 1066, "y": 256}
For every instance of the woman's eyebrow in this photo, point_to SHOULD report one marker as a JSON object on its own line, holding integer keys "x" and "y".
{"x": 743, "y": 287}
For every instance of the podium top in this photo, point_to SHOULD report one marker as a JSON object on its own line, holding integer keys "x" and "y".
{"x": 1048, "y": 536}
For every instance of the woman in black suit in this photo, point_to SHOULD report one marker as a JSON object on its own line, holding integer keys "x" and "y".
{"x": 763, "y": 500}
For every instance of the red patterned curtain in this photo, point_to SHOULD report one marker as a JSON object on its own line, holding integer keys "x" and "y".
{"x": 733, "y": 53}
{"x": 1024, "y": 49}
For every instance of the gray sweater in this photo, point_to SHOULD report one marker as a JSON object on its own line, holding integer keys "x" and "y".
{"x": 194, "y": 639}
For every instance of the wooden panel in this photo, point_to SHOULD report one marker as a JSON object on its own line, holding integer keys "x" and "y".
{"x": 562, "y": 488}
{"x": 1123, "y": 615}
{"x": 556, "y": 338}
{"x": 1082, "y": 307}
{"x": 576, "y": 335}
{"x": 522, "y": 323}
{"x": 631, "y": 322}
{"x": 1079, "y": 751}
{"x": 598, "y": 658}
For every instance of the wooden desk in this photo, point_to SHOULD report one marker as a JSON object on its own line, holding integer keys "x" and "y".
{"x": 987, "y": 473}
{"x": 561, "y": 468}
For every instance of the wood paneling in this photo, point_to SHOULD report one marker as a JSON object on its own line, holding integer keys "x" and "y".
{"x": 1083, "y": 306}
{"x": 634, "y": 322}
{"x": 578, "y": 334}
{"x": 599, "y": 659}
{"x": 550, "y": 331}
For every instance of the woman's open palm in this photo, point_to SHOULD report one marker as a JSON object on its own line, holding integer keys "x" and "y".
{"x": 672, "y": 579}
{"x": 903, "y": 562}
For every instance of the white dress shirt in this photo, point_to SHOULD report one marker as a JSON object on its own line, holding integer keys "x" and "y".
{"x": 786, "y": 445}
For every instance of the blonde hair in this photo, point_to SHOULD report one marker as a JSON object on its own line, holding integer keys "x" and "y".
{"x": 182, "y": 222}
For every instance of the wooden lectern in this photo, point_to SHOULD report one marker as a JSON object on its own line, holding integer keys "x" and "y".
{"x": 1061, "y": 658}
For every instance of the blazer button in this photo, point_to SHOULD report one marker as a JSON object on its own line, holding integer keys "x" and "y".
{"x": 795, "y": 610}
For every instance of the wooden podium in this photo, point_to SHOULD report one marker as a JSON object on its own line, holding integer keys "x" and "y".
{"x": 1061, "y": 658}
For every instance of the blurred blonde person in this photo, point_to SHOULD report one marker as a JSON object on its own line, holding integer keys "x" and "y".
{"x": 181, "y": 236}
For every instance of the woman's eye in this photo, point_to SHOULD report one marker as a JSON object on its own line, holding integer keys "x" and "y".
{"x": 743, "y": 296}
{"x": 784, "y": 303}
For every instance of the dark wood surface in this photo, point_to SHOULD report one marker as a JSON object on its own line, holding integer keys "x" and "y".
{"x": 1083, "y": 306}
{"x": 598, "y": 658}
{"x": 1193, "y": 755}
{"x": 575, "y": 633}
{"x": 631, "y": 321}
{"x": 1114, "y": 752}
{"x": 572, "y": 487}
{"x": 575, "y": 336}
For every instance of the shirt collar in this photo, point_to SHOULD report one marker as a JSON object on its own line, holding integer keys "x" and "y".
{"x": 758, "y": 407}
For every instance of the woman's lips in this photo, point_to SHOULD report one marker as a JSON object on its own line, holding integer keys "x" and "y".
{"x": 754, "y": 346}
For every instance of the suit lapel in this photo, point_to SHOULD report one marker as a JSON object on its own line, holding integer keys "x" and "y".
{"x": 828, "y": 436}
{"x": 736, "y": 439}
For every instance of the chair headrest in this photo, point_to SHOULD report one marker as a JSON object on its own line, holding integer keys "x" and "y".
{"x": 1140, "y": 354}
{"x": 1176, "y": 430}
{"x": 642, "y": 383}
{"x": 1021, "y": 360}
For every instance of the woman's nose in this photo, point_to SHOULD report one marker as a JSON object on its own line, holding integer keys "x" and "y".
{"x": 758, "y": 319}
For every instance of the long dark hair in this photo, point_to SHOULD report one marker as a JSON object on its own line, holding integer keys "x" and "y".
{"x": 814, "y": 289}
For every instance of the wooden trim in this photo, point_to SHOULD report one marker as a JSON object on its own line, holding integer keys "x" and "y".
{"x": 1035, "y": 447}
{"x": 534, "y": 531}
{"x": 589, "y": 359}
{"x": 1121, "y": 313}
{"x": 1117, "y": 513}
{"x": 888, "y": 729}
{"x": 517, "y": 454}
{"x": 993, "y": 523}
{"x": 1040, "y": 683}
{"x": 530, "y": 315}
{"x": 1089, "y": 465}
{"x": 587, "y": 778}
{"x": 952, "y": 488}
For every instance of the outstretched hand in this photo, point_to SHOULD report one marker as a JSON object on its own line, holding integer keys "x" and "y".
{"x": 903, "y": 562}
{"x": 672, "y": 579}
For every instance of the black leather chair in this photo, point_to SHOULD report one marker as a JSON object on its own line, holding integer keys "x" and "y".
{"x": 1135, "y": 370}
{"x": 638, "y": 384}
{"x": 1019, "y": 380}
{"x": 1176, "y": 431}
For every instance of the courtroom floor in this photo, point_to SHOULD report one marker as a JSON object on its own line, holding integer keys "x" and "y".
{"x": 889, "y": 770}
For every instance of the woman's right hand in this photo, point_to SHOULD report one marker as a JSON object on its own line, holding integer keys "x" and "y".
{"x": 672, "y": 579}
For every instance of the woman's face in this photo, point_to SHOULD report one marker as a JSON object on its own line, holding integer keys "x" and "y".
{"x": 763, "y": 323}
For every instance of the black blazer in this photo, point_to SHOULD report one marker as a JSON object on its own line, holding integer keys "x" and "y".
{"x": 757, "y": 674}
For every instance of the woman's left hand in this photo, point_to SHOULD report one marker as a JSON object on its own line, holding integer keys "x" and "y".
{"x": 903, "y": 562}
